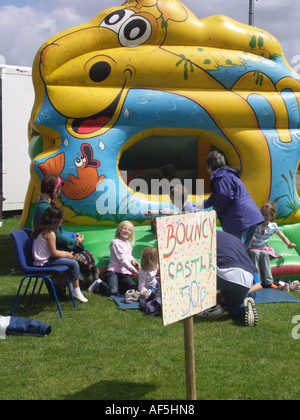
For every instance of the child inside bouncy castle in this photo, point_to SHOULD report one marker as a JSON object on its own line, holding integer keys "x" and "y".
{"x": 261, "y": 253}
{"x": 179, "y": 198}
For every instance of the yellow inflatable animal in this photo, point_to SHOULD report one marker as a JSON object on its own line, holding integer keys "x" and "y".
{"x": 151, "y": 73}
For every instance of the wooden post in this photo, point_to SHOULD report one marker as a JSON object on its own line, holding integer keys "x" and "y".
{"x": 189, "y": 359}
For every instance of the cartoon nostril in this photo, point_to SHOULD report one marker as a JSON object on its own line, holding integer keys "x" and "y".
{"x": 100, "y": 71}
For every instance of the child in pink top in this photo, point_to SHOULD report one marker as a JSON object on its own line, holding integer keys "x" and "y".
{"x": 122, "y": 265}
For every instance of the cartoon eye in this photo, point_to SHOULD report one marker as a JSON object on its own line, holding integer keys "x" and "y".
{"x": 135, "y": 31}
{"x": 100, "y": 71}
{"x": 80, "y": 161}
{"x": 115, "y": 20}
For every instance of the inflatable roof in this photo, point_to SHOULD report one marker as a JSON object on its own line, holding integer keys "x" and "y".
{"x": 147, "y": 85}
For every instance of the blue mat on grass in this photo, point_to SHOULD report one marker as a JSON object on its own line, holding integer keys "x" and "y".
{"x": 273, "y": 296}
{"x": 119, "y": 300}
{"x": 263, "y": 296}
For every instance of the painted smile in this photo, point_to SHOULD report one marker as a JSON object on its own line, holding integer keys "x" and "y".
{"x": 95, "y": 122}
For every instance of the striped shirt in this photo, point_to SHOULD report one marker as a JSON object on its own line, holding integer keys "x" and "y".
{"x": 262, "y": 238}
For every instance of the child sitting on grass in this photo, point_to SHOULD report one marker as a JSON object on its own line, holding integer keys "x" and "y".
{"x": 148, "y": 271}
{"x": 121, "y": 266}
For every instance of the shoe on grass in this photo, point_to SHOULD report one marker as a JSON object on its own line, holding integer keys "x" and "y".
{"x": 94, "y": 286}
{"x": 215, "y": 312}
{"x": 251, "y": 315}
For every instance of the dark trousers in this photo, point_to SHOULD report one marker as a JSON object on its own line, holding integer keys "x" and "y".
{"x": 234, "y": 296}
{"x": 119, "y": 283}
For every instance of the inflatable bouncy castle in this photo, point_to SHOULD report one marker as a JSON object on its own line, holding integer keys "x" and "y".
{"x": 147, "y": 86}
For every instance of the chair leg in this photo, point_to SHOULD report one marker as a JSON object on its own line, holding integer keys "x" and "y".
{"x": 54, "y": 292}
{"x": 28, "y": 284}
{"x": 70, "y": 291}
{"x": 33, "y": 290}
{"x": 18, "y": 292}
{"x": 38, "y": 293}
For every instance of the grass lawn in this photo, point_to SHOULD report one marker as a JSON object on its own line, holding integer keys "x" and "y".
{"x": 99, "y": 352}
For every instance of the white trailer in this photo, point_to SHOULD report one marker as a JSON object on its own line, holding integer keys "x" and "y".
{"x": 16, "y": 101}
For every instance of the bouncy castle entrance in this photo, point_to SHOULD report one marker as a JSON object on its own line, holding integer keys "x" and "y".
{"x": 182, "y": 157}
{"x": 170, "y": 157}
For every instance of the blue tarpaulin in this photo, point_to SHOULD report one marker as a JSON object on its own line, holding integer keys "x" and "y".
{"x": 23, "y": 326}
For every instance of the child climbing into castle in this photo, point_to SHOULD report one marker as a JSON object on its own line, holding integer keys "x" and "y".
{"x": 148, "y": 271}
{"x": 46, "y": 254}
{"x": 179, "y": 197}
{"x": 260, "y": 251}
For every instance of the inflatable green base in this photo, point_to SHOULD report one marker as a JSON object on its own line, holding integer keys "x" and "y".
{"x": 288, "y": 266}
{"x": 97, "y": 240}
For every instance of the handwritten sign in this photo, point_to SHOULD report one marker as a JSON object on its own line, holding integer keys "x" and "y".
{"x": 187, "y": 258}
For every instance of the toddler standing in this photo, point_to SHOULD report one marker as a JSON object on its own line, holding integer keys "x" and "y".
{"x": 260, "y": 251}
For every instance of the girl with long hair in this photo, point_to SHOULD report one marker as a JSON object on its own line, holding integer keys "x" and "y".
{"x": 44, "y": 249}
{"x": 51, "y": 186}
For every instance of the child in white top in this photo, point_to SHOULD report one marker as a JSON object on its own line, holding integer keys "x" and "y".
{"x": 44, "y": 249}
{"x": 260, "y": 251}
{"x": 148, "y": 272}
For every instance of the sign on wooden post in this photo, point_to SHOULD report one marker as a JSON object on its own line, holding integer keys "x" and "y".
{"x": 187, "y": 259}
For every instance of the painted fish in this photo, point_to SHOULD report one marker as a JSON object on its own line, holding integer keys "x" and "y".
{"x": 82, "y": 186}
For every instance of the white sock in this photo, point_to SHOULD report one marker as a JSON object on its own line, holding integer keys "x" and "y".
{"x": 78, "y": 295}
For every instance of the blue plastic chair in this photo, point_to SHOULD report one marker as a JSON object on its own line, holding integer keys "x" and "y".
{"x": 23, "y": 247}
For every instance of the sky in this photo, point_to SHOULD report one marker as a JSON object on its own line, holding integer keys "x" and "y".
{"x": 26, "y": 24}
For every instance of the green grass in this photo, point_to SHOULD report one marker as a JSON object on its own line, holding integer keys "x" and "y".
{"x": 99, "y": 352}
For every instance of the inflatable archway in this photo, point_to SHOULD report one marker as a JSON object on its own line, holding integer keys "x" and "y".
{"x": 151, "y": 73}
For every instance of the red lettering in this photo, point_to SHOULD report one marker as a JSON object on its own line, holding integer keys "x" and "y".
{"x": 197, "y": 232}
{"x": 187, "y": 266}
{"x": 179, "y": 268}
{"x": 212, "y": 229}
{"x": 203, "y": 228}
{"x": 170, "y": 237}
{"x": 191, "y": 233}
{"x": 169, "y": 270}
{"x": 211, "y": 261}
{"x": 177, "y": 234}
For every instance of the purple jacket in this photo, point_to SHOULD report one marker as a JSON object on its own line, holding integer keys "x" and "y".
{"x": 232, "y": 202}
